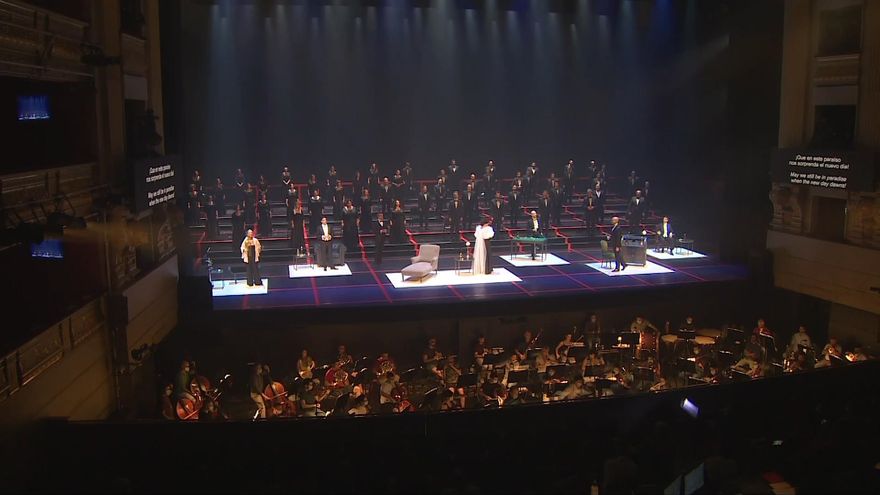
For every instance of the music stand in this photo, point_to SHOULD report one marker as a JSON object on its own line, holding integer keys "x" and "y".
{"x": 631, "y": 338}
{"x": 735, "y": 335}
{"x": 493, "y": 360}
{"x": 532, "y": 353}
{"x": 611, "y": 356}
{"x": 603, "y": 384}
{"x": 607, "y": 340}
{"x": 594, "y": 370}
{"x": 409, "y": 375}
{"x": 517, "y": 377}
{"x": 559, "y": 370}
{"x": 643, "y": 374}
{"x": 687, "y": 366}
{"x": 468, "y": 380}
{"x": 578, "y": 353}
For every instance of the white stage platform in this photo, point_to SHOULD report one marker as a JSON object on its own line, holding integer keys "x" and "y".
{"x": 316, "y": 271}
{"x": 239, "y": 288}
{"x": 680, "y": 254}
{"x": 521, "y": 260}
{"x": 448, "y": 277}
{"x": 630, "y": 269}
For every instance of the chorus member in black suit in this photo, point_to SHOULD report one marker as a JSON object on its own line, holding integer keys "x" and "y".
{"x": 440, "y": 195}
{"x": 250, "y": 254}
{"x": 237, "y": 220}
{"x": 193, "y": 208}
{"x": 196, "y": 181}
{"x": 456, "y": 212}
{"x": 407, "y": 172}
{"x": 285, "y": 178}
{"x": 262, "y": 186}
{"x": 558, "y": 197}
{"x": 636, "y": 210}
{"x": 297, "y": 232}
{"x": 568, "y": 179}
{"x": 325, "y": 234}
{"x": 350, "y": 226}
{"x": 424, "y": 207}
{"x": 265, "y": 227}
{"x": 381, "y": 227}
{"x": 599, "y": 191}
{"x": 518, "y": 181}
{"x": 496, "y": 209}
{"x": 453, "y": 175}
{"x": 357, "y": 185}
{"x": 591, "y": 209}
{"x": 665, "y": 236}
{"x": 616, "y": 237}
{"x": 545, "y": 207}
{"x": 471, "y": 206}
{"x": 632, "y": 182}
{"x": 365, "y": 205}
{"x": 331, "y": 179}
{"x": 211, "y": 219}
{"x": 220, "y": 197}
{"x": 535, "y": 229}
{"x": 645, "y": 189}
{"x": 385, "y": 195}
{"x": 316, "y": 211}
{"x": 398, "y": 223}
{"x": 515, "y": 203}
{"x": 531, "y": 181}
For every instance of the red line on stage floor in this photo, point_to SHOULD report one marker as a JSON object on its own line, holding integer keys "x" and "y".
{"x": 516, "y": 284}
{"x": 557, "y": 270}
{"x": 456, "y": 292}
{"x": 315, "y": 292}
{"x": 378, "y": 281}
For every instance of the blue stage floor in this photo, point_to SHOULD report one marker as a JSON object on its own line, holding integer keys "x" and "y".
{"x": 368, "y": 286}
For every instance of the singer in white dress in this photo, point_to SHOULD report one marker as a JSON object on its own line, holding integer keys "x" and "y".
{"x": 482, "y": 253}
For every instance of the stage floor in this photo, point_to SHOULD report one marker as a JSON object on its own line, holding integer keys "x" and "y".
{"x": 369, "y": 285}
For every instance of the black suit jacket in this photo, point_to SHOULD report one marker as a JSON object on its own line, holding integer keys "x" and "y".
{"x": 616, "y": 235}
{"x": 381, "y": 230}
{"x": 424, "y": 203}
{"x": 497, "y": 211}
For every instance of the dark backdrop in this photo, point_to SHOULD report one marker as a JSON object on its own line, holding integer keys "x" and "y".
{"x": 686, "y": 92}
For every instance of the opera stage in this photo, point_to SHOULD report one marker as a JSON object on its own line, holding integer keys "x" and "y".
{"x": 568, "y": 277}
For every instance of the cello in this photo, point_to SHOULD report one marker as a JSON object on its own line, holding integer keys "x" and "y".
{"x": 277, "y": 403}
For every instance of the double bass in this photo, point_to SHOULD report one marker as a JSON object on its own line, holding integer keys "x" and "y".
{"x": 200, "y": 390}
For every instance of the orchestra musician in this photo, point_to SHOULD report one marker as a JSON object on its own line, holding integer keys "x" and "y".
{"x": 480, "y": 350}
{"x": 798, "y": 340}
{"x": 647, "y": 334}
{"x": 832, "y": 354}
{"x": 304, "y": 365}
{"x": 387, "y": 384}
{"x": 521, "y": 349}
{"x": 336, "y": 378}
{"x": 310, "y": 398}
{"x": 384, "y": 364}
{"x": 431, "y": 357}
{"x": 257, "y": 386}
{"x": 562, "y": 348}
{"x": 344, "y": 359}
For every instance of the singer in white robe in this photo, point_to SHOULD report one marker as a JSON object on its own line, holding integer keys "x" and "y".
{"x": 482, "y": 252}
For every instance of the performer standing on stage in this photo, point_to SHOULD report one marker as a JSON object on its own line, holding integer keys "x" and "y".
{"x": 250, "y": 254}
{"x": 616, "y": 237}
{"x": 324, "y": 246}
{"x": 483, "y": 235}
{"x": 381, "y": 229}
{"x": 515, "y": 202}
